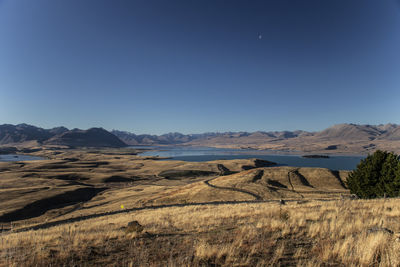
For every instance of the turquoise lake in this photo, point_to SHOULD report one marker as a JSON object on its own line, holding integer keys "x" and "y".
{"x": 185, "y": 153}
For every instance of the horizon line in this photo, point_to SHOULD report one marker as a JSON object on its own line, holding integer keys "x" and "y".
{"x": 206, "y": 132}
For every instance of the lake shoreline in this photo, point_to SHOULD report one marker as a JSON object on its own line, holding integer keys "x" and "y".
{"x": 263, "y": 151}
{"x": 204, "y": 154}
{"x": 19, "y": 157}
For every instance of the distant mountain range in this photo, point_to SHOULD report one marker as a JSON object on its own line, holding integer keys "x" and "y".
{"x": 340, "y": 131}
{"x": 24, "y": 133}
{"x": 338, "y": 138}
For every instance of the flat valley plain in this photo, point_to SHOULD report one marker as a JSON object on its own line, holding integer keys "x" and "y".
{"x": 74, "y": 209}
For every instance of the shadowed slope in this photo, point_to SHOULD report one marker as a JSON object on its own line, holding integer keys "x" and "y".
{"x": 41, "y": 206}
{"x": 94, "y": 137}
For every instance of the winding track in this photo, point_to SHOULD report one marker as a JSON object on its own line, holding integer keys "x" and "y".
{"x": 97, "y": 215}
{"x": 290, "y": 181}
{"x": 257, "y": 197}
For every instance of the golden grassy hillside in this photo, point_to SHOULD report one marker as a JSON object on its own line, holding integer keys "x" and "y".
{"x": 271, "y": 183}
{"x": 316, "y": 233}
{"x": 74, "y": 182}
{"x": 73, "y": 209}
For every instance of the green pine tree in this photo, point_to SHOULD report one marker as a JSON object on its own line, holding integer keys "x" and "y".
{"x": 376, "y": 176}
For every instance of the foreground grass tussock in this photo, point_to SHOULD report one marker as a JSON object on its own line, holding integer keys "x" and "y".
{"x": 332, "y": 233}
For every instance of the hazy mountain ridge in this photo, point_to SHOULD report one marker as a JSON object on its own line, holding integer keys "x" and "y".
{"x": 178, "y": 138}
{"x": 23, "y": 132}
{"x": 348, "y": 132}
{"x": 95, "y": 137}
{"x": 341, "y": 137}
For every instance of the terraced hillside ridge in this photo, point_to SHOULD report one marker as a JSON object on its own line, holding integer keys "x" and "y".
{"x": 261, "y": 184}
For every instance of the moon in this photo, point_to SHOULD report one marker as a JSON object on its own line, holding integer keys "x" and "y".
{"x": 259, "y": 36}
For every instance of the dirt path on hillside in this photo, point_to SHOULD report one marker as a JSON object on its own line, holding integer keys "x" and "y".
{"x": 257, "y": 197}
{"x": 91, "y": 216}
{"x": 290, "y": 181}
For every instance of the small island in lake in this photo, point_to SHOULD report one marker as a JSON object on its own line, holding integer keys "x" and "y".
{"x": 316, "y": 156}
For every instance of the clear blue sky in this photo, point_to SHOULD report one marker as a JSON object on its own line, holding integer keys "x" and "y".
{"x": 197, "y": 66}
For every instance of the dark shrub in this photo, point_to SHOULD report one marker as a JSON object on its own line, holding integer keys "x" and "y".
{"x": 376, "y": 176}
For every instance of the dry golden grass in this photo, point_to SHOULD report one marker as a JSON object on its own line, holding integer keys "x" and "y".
{"x": 301, "y": 233}
{"x": 128, "y": 178}
{"x": 334, "y": 233}
{"x": 265, "y": 183}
